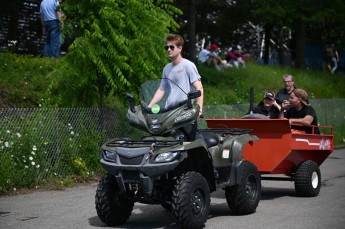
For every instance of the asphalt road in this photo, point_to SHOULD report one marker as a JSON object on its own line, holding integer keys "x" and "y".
{"x": 278, "y": 208}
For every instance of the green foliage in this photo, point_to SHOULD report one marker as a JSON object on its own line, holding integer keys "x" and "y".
{"x": 325, "y": 18}
{"x": 39, "y": 144}
{"x": 89, "y": 146}
{"x": 119, "y": 45}
{"x": 22, "y": 154}
{"x": 24, "y": 80}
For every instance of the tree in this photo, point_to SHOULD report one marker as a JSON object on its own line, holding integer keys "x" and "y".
{"x": 119, "y": 45}
{"x": 322, "y": 20}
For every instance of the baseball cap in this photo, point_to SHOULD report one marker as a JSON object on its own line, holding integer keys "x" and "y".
{"x": 302, "y": 94}
{"x": 214, "y": 47}
{"x": 269, "y": 95}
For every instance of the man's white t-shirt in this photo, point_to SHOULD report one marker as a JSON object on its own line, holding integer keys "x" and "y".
{"x": 184, "y": 75}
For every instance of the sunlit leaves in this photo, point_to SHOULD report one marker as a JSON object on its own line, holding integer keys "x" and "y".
{"x": 120, "y": 41}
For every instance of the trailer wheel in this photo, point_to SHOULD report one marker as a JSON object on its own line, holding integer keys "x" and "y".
{"x": 113, "y": 208}
{"x": 191, "y": 200}
{"x": 244, "y": 197}
{"x": 308, "y": 179}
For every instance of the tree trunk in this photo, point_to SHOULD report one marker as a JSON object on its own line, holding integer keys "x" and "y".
{"x": 14, "y": 7}
{"x": 280, "y": 46}
{"x": 266, "y": 56}
{"x": 191, "y": 35}
{"x": 300, "y": 29}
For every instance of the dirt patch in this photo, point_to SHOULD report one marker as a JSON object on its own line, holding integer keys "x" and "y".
{"x": 5, "y": 99}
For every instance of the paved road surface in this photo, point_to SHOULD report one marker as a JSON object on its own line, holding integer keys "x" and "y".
{"x": 279, "y": 207}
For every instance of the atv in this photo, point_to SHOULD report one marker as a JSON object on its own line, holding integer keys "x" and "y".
{"x": 165, "y": 168}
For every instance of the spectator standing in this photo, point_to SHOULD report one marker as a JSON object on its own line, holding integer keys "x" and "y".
{"x": 331, "y": 58}
{"x": 300, "y": 112}
{"x": 268, "y": 106}
{"x": 52, "y": 23}
{"x": 283, "y": 95}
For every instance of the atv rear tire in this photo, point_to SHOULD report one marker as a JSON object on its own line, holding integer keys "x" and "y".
{"x": 113, "y": 208}
{"x": 191, "y": 200}
{"x": 244, "y": 197}
{"x": 308, "y": 179}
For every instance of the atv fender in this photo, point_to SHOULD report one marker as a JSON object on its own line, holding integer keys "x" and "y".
{"x": 232, "y": 148}
{"x": 237, "y": 169}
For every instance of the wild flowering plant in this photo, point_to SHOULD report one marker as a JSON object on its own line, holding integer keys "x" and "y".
{"x": 36, "y": 147}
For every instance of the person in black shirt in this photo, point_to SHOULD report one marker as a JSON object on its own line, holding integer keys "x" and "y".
{"x": 268, "y": 106}
{"x": 300, "y": 112}
{"x": 283, "y": 95}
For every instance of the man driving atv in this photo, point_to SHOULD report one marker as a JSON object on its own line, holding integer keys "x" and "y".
{"x": 185, "y": 75}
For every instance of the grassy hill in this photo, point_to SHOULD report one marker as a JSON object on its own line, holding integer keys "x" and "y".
{"x": 24, "y": 80}
{"x": 232, "y": 85}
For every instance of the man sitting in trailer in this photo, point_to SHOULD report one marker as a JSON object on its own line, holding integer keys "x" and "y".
{"x": 300, "y": 112}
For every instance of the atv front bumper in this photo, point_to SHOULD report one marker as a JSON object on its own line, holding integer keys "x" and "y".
{"x": 143, "y": 174}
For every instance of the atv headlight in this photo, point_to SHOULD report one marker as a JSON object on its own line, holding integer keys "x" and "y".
{"x": 109, "y": 156}
{"x": 166, "y": 157}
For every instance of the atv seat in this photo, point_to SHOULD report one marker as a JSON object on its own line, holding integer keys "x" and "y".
{"x": 211, "y": 139}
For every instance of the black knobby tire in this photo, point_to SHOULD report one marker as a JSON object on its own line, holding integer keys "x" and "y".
{"x": 191, "y": 200}
{"x": 244, "y": 197}
{"x": 113, "y": 208}
{"x": 308, "y": 179}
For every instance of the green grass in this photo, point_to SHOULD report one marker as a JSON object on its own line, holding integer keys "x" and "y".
{"x": 232, "y": 85}
{"x": 24, "y": 79}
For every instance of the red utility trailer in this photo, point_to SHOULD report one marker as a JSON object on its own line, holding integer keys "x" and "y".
{"x": 281, "y": 151}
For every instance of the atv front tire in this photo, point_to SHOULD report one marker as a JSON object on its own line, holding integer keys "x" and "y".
{"x": 244, "y": 197}
{"x": 113, "y": 208}
{"x": 308, "y": 179}
{"x": 191, "y": 200}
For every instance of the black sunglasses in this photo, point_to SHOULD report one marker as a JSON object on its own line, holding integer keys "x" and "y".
{"x": 172, "y": 47}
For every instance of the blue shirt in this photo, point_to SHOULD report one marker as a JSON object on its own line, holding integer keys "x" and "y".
{"x": 48, "y": 9}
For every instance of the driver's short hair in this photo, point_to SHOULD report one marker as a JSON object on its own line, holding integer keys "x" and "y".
{"x": 177, "y": 39}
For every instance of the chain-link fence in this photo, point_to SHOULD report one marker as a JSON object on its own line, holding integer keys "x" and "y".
{"x": 37, "y": 144}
